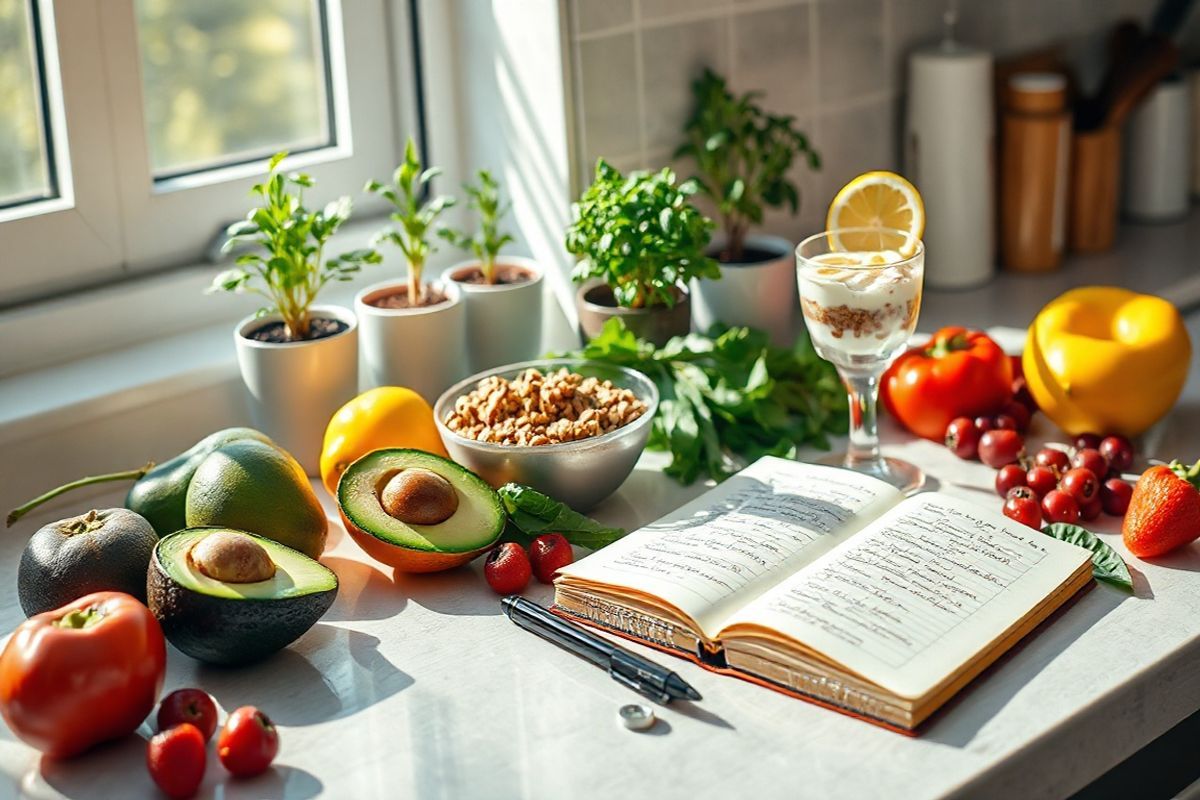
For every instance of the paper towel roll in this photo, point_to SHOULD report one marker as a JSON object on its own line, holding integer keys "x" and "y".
{"x": 1158, "y": 154}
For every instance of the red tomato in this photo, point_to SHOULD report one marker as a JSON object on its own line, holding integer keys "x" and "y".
{"x": 176, "y": 759}
{"x": 82, "y": 674}
{"x": 958, "y": 373}
{"x": 549, "y": 553}
{"x": 248, "y": 742}
{"x": 188, "y": 705}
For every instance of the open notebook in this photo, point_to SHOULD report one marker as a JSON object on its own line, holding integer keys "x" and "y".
{"x": 830, "y": 585}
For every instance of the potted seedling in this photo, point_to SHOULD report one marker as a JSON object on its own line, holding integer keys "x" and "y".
{"x": 298, "y": 359}
{"x": 642, "y": 238}
{"x": 502, "y": 294}
{"x": 743, "y": 157}
{"x": 413, "y": 334}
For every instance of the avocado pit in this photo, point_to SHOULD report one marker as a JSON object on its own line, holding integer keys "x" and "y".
{"x": 418, "y": 496}
{"x": 231, "y": 558}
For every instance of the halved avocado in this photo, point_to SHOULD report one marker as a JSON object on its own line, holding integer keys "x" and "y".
{"x": 264, "y": 596}
{"x": 418, "y": 487}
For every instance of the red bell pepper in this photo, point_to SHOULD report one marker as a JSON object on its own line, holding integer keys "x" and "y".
{"x": 82, "y": 674}
{"x": 958, "y": 373}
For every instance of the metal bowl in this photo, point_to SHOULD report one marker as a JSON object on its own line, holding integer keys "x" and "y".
{"x": 580, "y": 473}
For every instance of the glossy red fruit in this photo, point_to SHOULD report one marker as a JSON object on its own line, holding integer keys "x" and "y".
{"x": 1085, "y": 441}
{"x": 1090, "y": 458}
{"x": 1000, "y": 447}
{"x": 1090, "y": 510}
{"x": 1055, "y": 460}
{"x": 1080, "y": 483}
{"x": 1024, "y": 510}
{"x": 248, "y": 743}
{"x": 962, "y": 438}
{"x": 1005, "y": 423}
{"x": 1114, "y": 496}
{"x": 984, "y": 424}
{"x": 549, "y": 553}
{"x": 1117, "y": 451}
{"x": 1041, "y": 480}
{"x": 507, "y": 569}
{"x": 176, "y": 760}
{"x": 1010, "y": 476}
{"x": 1021, "y": 491}
{"x": 1022, "y": 395}
{"x": 188, "y": 705}
{"x": 1019, "y": 412}
{"x": 1058, "y": 506}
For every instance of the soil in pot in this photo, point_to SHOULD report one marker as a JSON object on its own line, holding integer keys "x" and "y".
{"x": 432, "y": 296}
{"x": 750, "y": 255}
{"x": 318, "y": 328}
{"x": 506, "y": 275}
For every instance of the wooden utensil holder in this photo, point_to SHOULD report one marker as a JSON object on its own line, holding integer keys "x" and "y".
{"x": 1095, "y": 185}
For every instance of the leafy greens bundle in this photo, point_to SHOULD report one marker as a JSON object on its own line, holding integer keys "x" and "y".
{"x": 729, "y": 394}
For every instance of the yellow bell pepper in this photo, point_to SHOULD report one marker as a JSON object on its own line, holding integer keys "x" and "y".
{"x": 388, "y": 416}
{"x": 1100, "y": 359}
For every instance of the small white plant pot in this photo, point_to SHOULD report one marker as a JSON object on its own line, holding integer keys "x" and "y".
{"x": 760, "y": 294}
{"x": 422, "y": 348}
{"x": 504, "y": 320}
{"x": 294, "y": 388}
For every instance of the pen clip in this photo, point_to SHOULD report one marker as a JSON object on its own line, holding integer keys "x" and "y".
{"x": 657, "y": 696}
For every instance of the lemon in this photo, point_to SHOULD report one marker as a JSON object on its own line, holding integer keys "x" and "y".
{"x": 878, "y": 199}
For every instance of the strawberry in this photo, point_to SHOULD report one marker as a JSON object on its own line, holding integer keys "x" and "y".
{"x": 1164, "y": 512}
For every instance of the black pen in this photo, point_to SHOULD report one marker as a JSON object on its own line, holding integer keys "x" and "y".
{"x": 644, "y": 677}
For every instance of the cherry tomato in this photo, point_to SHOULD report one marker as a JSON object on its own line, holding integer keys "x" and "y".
{"x": 1021, "y": 491}
{"x": 1024, "y": 510}
{"x": 1055, "y": 460}
{"x": 1000, "y": 447}
{"x": 962, "y": 438}
{"x": 188, "y": 705}
{"x": 1091, "y": 509}
{"x": 176, "y": 758}
{"x": 1085, "y": 441}
{"x": 1114, "y": 495}
{"x": 1041, "y": 480}
{"x": 1019, "y": 412}
{"x": 1089, "y": 458}
{"x": 1010, "y": 476}
{"x": 1005, "y": 422}
{"x": 549, "y": 553}
{"x": 1117, "y": 451}
{"x": 984, "y": 424}
{"x": 1058, "y": 506}
{"x": 248, "y": 743}
{"x": 507, "y": 569}
{"x": 1080, "y": 483}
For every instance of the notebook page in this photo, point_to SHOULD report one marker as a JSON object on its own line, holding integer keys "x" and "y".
{"x": 919, "y": 592}
{"x": 731, "y": 544}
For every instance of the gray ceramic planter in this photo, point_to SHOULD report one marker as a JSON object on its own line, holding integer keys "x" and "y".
{"x": 761, "y": 294}
{"x": 595, "y": 305}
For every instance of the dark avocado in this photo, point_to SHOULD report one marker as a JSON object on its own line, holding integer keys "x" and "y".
{"x": 105, "y": 550}
{"x": 234, "y": 621}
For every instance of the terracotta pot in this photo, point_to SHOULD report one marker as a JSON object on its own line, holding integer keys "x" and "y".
{"x": 595, "y": 304}
{"x": 504, "y": 320}
{"x": 422, "y": 348}
{"x": 293, "y": 388}
{"x": 761, "y": 294}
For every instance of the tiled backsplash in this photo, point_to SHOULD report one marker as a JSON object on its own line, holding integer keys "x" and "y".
{"x": 838, "y": 66}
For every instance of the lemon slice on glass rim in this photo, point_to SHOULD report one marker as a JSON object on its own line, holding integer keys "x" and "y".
{"x": 877, "y": 199}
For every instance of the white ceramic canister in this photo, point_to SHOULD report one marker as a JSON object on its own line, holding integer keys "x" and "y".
{"x": 1158, "y": 151}
{"x": 504, "y": 320}
{"x": 760, "y": 294}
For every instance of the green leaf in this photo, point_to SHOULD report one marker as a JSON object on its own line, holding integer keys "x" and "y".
{"x": 1107, "y": 565}
{"x": 532, "y": 513}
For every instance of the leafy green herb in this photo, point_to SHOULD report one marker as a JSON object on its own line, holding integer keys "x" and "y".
{"x": 416, "y": 218}
{"x": 291, "y": 269}
{"x": 532, "y": 513}
{"x": 641, "y": 235}
{"x": 729, "y": 393}
{"x": 1107, "y": 565}
{"x": 484, "y": 199}
{"x": 743, "y": 155}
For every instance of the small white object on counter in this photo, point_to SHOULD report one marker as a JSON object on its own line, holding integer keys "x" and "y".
{"x": 637, "y": 717}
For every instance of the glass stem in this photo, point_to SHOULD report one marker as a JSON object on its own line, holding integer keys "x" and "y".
{"x": 863, "y": 389}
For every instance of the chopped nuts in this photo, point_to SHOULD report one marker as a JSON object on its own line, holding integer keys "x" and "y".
{"x": 535, "y": 409}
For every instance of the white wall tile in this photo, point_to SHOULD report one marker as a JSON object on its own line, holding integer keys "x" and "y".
{"x": 856, "y": 140}
{"x": 772, "y": 54}
{"x": 672, "y": 57}
{"x": 610, "y": 116}
{"x": 851, "y": 51}
{"x": 654, "y": 10}
{"x": 595, "y": 15}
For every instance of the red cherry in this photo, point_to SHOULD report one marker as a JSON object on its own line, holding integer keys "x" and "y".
{"x": 1000, "y": 447}
{"x": 1058, "y": 506}
{"x": 1024, "y": 510}
{"x": 1021, "y": 491}
{"x": 1090, "y": 510}
{"x": 1022, "y": 395}
{"x": 1005, "y": 422}
{"x": 984, "y": 424}
{"x": 1117, "y": 451}
{"x": 1041, "y": 480}
{"x": 962, "y": 438}
{"x": 1055, "y": 460}
{"x": 1010, "y": 476}
{"x": 1019, "y": 412}
{"x": 549, "y": 553}
{"x": 1085, "y": 441}
{"x": 1080, "y": 483}
{"x": 1114, "y": 495}
{"x": 507, "y": 569}
{"x": 1090, "y": 458}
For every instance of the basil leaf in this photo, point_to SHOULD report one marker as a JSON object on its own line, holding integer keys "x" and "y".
{"x": 1107, "y": 565}
{"x": 532, "y": 513}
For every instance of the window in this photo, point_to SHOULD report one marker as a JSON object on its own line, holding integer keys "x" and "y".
{"x": 133, "y": 129}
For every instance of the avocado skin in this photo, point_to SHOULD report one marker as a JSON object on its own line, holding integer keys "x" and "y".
{"x": 57, "y": 567}
{"x": 160, "y": 495}
{"x": 219, "y": 630}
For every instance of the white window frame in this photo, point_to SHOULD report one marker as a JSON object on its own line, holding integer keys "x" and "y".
{"x": 112, "y": 219}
